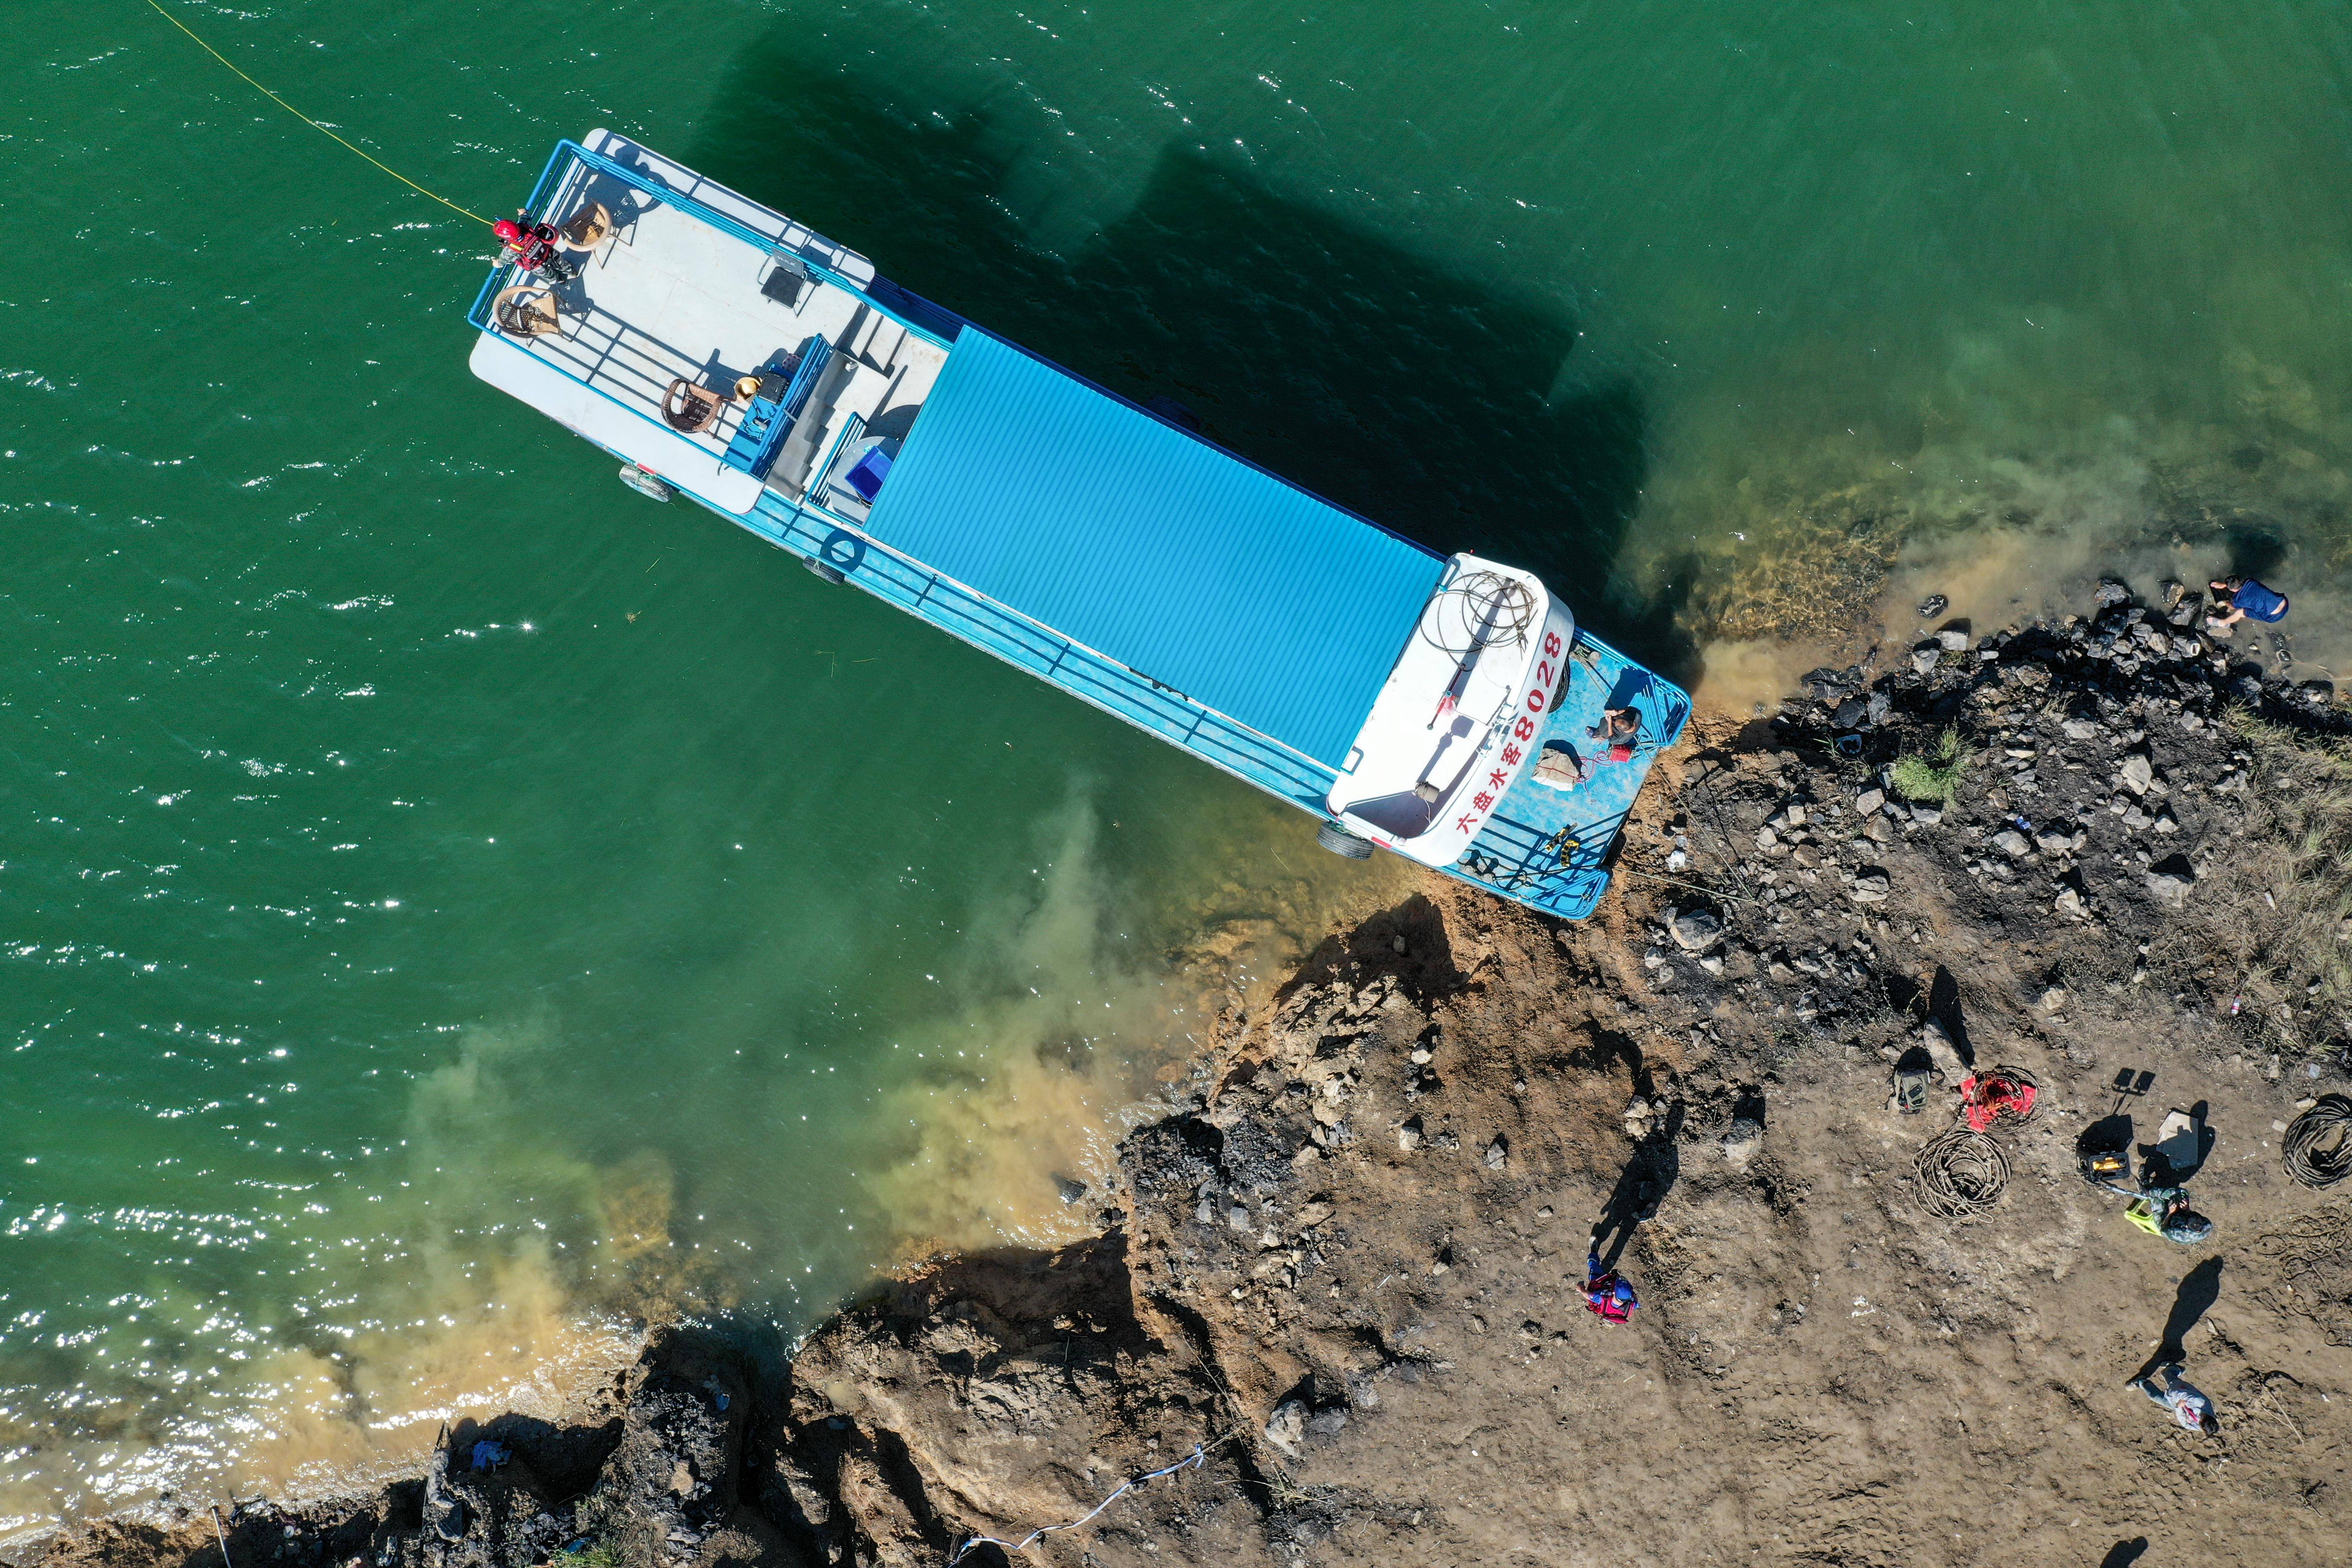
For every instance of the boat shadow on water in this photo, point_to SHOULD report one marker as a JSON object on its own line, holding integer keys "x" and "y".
{"x": 1435, "y": 404}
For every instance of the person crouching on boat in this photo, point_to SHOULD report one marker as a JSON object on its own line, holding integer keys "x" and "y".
{"x": 533, "y": 245}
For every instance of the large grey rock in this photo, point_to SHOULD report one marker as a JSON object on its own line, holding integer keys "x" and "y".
{"x": 1937, "y": 1042}
{"x": 1870, "y": 887}
{"x": 1287, "y": 1426}
{"x": 2170, "y": 885}
{"x": 2011, "y": 843}
{"x": 1696, "y": 930}
{"x": 443, "y": 1510}
{"x": 1953, "y": 640}
{"x": 2138, "y": 773}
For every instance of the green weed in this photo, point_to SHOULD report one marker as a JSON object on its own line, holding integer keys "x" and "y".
{"x": 1933, "y": 775}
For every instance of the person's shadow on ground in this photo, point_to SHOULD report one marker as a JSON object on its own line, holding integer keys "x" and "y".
{"x": 1644, "y": 1182}
{"x": 2123, "y": 1554}
{"x": 2199, "y": 1289}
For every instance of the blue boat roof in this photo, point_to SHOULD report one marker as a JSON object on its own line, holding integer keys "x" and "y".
{"x": 1152, "y": 546}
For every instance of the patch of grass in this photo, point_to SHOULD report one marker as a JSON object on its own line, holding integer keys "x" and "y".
{"x": 1933, "y": 775}
{"x": 601, "y": 1552}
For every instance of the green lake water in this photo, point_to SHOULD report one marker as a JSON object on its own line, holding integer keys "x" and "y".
{"x": 448, "y": 903}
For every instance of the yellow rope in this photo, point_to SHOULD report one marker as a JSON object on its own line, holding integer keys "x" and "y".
{"x": 313, "y": 124}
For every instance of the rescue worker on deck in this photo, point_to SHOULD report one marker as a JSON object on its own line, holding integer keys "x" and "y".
{"x": 533, "y": 245}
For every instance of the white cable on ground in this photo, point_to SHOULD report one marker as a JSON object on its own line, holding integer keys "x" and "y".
{"x": 1193, "y": 1461}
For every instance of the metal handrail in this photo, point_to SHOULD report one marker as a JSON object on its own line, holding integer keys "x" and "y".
{"x": 765, "y": 243}
{"x": 1310, "y": 777}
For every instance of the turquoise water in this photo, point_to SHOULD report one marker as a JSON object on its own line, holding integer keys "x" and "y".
{"x": 447, "y": 902}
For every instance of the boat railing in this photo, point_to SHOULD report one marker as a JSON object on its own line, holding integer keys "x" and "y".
{"x": 994, "y": 629}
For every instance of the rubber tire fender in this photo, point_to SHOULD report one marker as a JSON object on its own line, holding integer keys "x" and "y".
{"x": 1341, "y": 842}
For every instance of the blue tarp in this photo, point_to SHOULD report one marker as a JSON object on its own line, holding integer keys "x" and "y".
{"x": 1152, "y": 546}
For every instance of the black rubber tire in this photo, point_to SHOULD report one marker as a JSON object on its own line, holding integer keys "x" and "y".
{"x": 1341, "y": 842}
{"x": 829, "y": 573}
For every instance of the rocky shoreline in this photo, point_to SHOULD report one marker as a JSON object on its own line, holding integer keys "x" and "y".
{"x": 1334, "y": 1298}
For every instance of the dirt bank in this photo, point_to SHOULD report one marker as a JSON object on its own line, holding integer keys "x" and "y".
{"x": 1345, "y": 1275}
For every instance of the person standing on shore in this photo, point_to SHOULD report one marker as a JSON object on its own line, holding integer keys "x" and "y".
{"x": 2188, "y": 1405}
{"x": 1606, "y": 1296}
{"x": 2239, "y": 599}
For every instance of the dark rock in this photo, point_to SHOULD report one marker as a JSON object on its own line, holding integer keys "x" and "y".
{"x": 672, "y": 1478}
{"x": 1933, "y": 605}
{"x": 1826, "y": 685}
{"x": 1328, "y": 1423}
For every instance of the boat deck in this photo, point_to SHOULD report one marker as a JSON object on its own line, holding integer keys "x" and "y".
{"x": 1550, "y": 848}
{"x": 669, "y": 295}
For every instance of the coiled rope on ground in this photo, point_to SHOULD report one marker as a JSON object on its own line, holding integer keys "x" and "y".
{"x": 1962, "y": 1173}
{"x": 2317, "y": 1148}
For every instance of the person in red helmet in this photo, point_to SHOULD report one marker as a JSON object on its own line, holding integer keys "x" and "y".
{"x": 533, "y": 245}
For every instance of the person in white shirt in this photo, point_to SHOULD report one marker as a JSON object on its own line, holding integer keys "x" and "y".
{"x": 2188, "y": 1406}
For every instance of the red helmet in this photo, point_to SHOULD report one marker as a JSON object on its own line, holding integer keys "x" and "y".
{"x": 505, "y": 229}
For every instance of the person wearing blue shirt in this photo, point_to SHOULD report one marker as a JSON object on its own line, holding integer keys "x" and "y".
{"x": 2240, "y": 599}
